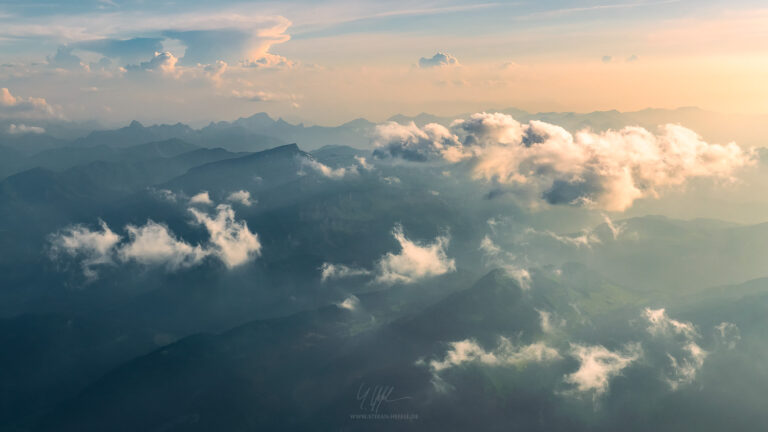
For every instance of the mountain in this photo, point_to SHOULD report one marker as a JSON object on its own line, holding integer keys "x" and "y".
{"x": 355, "y": 133}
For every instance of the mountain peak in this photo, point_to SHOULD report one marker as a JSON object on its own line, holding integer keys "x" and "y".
{"x": 135, "y": 124}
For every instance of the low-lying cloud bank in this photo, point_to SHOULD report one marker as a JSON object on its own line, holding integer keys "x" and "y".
{"x": 607, "y": 170}
{"x": 153, "y": 244}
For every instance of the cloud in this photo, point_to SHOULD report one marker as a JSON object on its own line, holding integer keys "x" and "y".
{"x": 326, "y": 171}
{"x": 201, "y": 198}
{"x": 95, "y": 247}
{"x": 330, "y": 271}
{"x": 413, "y": 143}
{"x": 632, "y": 58}
{"x": 243, "y": 197}
{"x": 64, "y": 59}
{"x": 607, "y": 170}
{"x": 685, "y": 356}
{"x": 13, "y": 106}
{"x": 230, "y": 240}
{"x": 350, "y": 303}
{"x": 153, "y": 244}
{"x": 660, "y": 324}
{"x": 607, "y": 59}
{"x": 415, "y": 261}
{"x": 269, "y": 61}
{"x": 598, "y": 365}
{"x": 549, "y": 324}
{"x": 20, "y": 129}
{"x": 162, "y": 62}
{"x": 496, "y": 257}
{"x": 215, "y": 71}
{"x": 616, "y": 229}
{"x": 727, "y": 334}
{"x": 505, "y": 353}
{"x": 262, "y": 96}
{"x": 438, "y": 60}
{"x": 129, "y": 51}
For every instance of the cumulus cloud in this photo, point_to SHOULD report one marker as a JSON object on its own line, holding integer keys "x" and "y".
{"x": 243, "y": 197}
{"x": 413, "y": 143}
{"x": 162, "y": 62}
{"x": 598, "y": 365}
{"x": 201, "y": 198}
{"x": 214, "y": 71}
{"x": 549, "y": 322}
{"x": 607, "y": 170}
{"x": 660, "y": 324}
{"x": 20, "y": 129}
{"x": 269, "y": 61}
{"x": 414, "y": 261}
{"x": 506, "y": 353}
{"x": 230, "y": 240}
{"x": 727, "y": 334}
{"x": 326, "y": 171}
{"x": 94, "y": 247}
{"x": 330, "y": 271}
{"x": 31, "y": 107}
{"x": 64, "y": 58}
{"x": 350, "y": 303}
{"x": 440, "y": 59}
{"x": 154, "y": 244}
{"x": 685, "y": 356}
{"x": 496, "y": 257}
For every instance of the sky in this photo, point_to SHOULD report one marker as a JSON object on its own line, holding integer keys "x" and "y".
{"x": 328, "y": 62}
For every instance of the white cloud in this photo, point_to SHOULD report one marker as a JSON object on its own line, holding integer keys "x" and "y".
{"x": 363, "y": 163}
{"x": 415, "y": 261}
{"x": 330, "y": 271}
{"x": 94, "y": 246}
{"x": 154, "y": 244}
{"x": 440, "y": 59}
{"x": 684, "y": 369}
{"x": 162, "y": 62}
{"x": 215, "y": 71}
{"x": 263, "y": 96}
{"x": 505, "y": 353}
{"x": 496, "y": 257}
{"x": 608, "y": 170}
{"x": 243, "y": 197}
{"x": 679, "y": 337}
{"x": 413, "y": 143}
{"x": 350, "y": 303}
{"x": 616, "y": 229}
{"x": 230, "y": 240}
{"x": 598, "y": 365}
{"x": 269, "y": 61}
{"x": 19, "y": 107}
{"x": 201, "y": 198}
{"x": 549, "y": 322}
{"x": 660, "y": 324}
{"x": 326, "y": 171}
{"x": 19, "y": 129}
{"x": 727, "y": 334}
{"x": 163, "y": 194}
